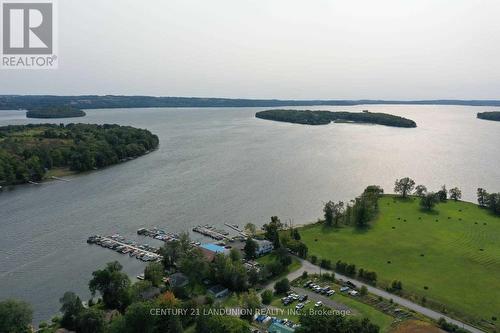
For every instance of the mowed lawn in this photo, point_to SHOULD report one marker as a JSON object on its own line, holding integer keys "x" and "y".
{"x": 453, "y": 251}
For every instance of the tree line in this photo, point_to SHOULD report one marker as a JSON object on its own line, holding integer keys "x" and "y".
{"x": 27, "y": 152}
{"x": 490, "y": 201}
{"x": 350, "y": 270}
{"x": 428, "y": 199}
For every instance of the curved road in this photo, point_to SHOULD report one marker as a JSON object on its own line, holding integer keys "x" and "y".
{"x": 310, "y": 268}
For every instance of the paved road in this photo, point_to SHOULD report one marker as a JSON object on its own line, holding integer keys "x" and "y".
{"x": 310, "y": 268}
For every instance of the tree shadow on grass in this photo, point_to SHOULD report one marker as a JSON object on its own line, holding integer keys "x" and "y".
{"x": 332, "y": 229}
{"x": 431, "y": 212}
{"x": 354, "y": 229}
{"x": 361, "y": 230}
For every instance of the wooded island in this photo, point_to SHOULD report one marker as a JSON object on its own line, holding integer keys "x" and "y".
{"x": 308, "y": 117}
{"x": 493, "y": 115}
{"x": 55, "y": 112}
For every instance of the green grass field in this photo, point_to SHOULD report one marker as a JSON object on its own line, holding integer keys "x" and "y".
{"x": 454, "y": 251}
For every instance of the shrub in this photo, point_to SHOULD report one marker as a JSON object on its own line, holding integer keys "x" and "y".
{"x": 267, "y": 296}
{"x": 326, "y": 264}
{"x": 282, "y": 286}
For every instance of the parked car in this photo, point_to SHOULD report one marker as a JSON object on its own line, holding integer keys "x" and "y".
{"x": 318, "y": 304}
{"x": 299, "y": 306}
{"x": 353, "y": 293}
{"x": 344, "y": 289}
{"x": 350, "y": 284}
{"x": 330, "y": 292}
{"x": 303, "y": 298}
{"x": 307, "y": 284}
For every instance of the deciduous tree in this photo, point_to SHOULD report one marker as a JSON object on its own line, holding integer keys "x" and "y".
{"x": 429, "y": 200}
{"x": 112, "y": 284}
{"x": 404, "y": 186}
{"x": 455, "y": 194}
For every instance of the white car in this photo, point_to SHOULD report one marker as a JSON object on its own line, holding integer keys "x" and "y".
{"x": 344, "y": 289}
{"x": 353, "y": 293}
{"x": 318, "y": 304}
{"x": 330, "y": 293}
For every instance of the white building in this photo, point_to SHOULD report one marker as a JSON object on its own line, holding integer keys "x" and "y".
{"x": 263, "y": 247}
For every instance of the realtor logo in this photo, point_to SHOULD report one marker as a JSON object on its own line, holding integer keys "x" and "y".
{"x": 28, "y": 34}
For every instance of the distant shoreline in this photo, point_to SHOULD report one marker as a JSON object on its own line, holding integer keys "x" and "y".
{"x": 27, "y": 102}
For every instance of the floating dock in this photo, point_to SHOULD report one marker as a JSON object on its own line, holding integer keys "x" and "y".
{"x": 158, "y": 234}
{"x": 211, "y": 232}
{"x": 121, "y": 245}
{"x": 236, "y": 228}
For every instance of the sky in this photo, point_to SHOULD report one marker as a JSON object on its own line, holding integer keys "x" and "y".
{"x": 288, "y": 49}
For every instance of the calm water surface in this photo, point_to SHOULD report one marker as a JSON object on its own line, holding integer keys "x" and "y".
{"x": 223, "y": 165}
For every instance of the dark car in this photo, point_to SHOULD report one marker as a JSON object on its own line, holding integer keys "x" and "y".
{"x": 350, "y": 285}
{"x": 303, "y": 298}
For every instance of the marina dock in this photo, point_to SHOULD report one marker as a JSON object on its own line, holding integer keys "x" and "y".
{"x": 237, "y": 229}
{"x": 211, "y": 232}
{"x": 158, "y": 234}
{"x": 121, "y": 245}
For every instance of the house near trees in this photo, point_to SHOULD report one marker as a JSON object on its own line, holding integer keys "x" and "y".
{"x": 263, "y": 247}
{"x": 178, "y": 280}
{"x": 218, "y": 291}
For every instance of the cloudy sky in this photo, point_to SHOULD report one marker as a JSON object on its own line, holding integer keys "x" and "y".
{"x": 338, "y": 49}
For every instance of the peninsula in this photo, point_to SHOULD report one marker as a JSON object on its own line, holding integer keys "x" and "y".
{"x": 31, "y": 153}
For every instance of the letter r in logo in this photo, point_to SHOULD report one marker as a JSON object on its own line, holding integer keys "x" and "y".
{"x": 27, "y": 28}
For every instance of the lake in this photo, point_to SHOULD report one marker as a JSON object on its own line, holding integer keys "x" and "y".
{"x": 218, "y": 165}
